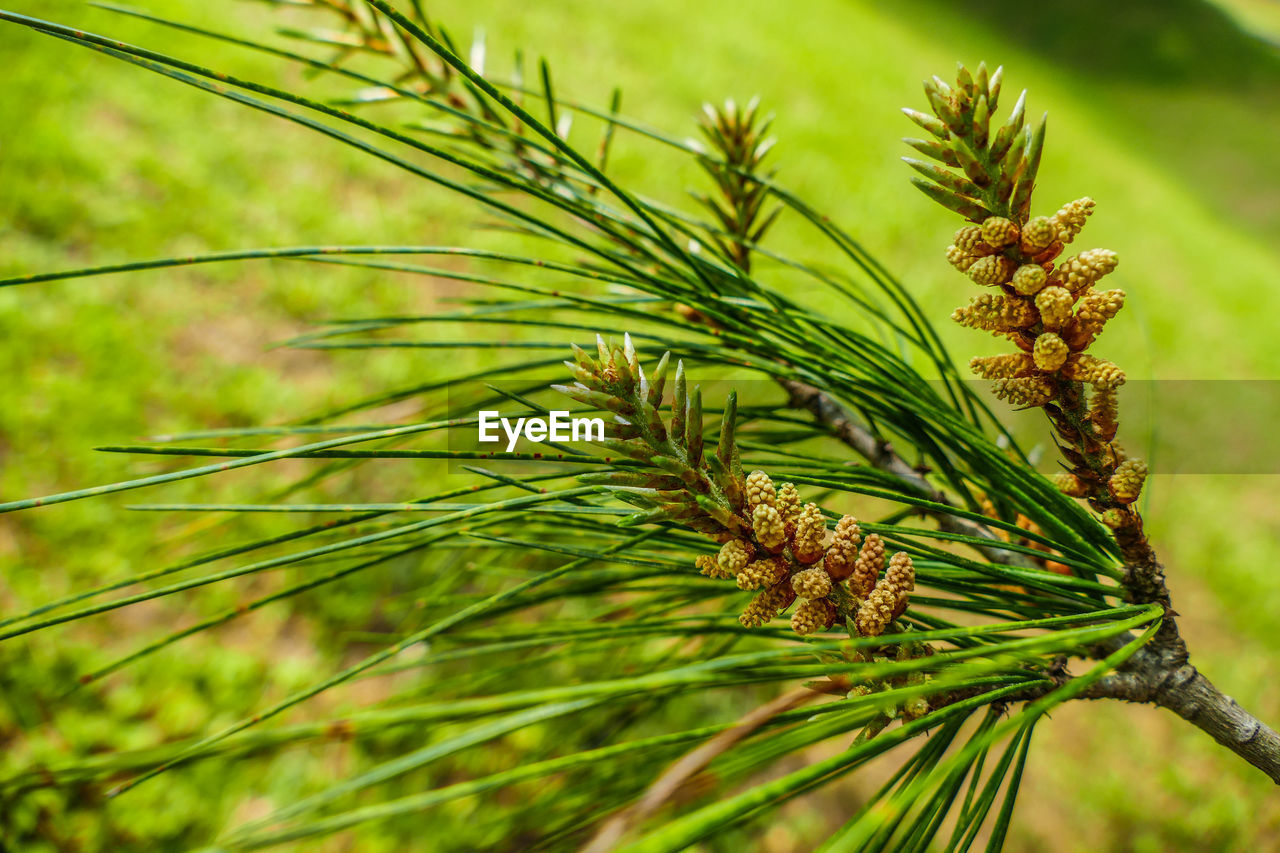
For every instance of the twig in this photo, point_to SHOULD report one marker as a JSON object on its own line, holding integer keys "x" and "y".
{"x": 877, "y": 453}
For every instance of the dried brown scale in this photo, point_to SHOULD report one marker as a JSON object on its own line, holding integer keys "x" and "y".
{"x": 760, "y": 490}
{"x": 1050, "y": 254}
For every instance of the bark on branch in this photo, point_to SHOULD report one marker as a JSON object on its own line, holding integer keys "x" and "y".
{"x": 880, "y": 455}
{"x": 1190, "y": 695}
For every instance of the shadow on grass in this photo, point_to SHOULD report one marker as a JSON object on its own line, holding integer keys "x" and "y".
{"x": 1192, "y": 90}
{"x": 1157, "y": 42}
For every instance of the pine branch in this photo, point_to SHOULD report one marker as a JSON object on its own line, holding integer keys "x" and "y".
{"x": 910, "y": 670}
{"x": 1052, "y": 315}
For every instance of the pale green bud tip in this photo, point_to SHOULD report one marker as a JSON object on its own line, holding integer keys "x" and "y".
{"x": 811, "y": 528}
{"x": 998, "y": 232}
{"x": 1029, "y": 279}
{"x": 991, "y": 270}
{"x": 760, "y": 490}
{"x": 1127, "y": 481}
{"x": 1050, "y": 352}
{"x": 1038, "y": 234}
{"x": 769, "y": 527}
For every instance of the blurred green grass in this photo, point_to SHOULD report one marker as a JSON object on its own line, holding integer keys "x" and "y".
{"x": 1163, "y": 112}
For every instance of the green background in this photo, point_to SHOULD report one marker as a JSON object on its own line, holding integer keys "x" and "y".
{"x": 1167, "y": 113}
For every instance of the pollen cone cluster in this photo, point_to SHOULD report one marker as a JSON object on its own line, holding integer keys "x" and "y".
{"x": 791, "y": 558}
{"x": 771, "y": 543}
{"x": 1049, "y": 305}
{"x": 1050, "y": 312}
{"x": 888, "y": 598}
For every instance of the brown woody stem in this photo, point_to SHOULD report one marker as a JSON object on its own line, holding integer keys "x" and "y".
{"x": 1185, "y": 691}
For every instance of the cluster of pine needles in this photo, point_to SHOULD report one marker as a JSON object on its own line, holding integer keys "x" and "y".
{"x": 543, "y": 648}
